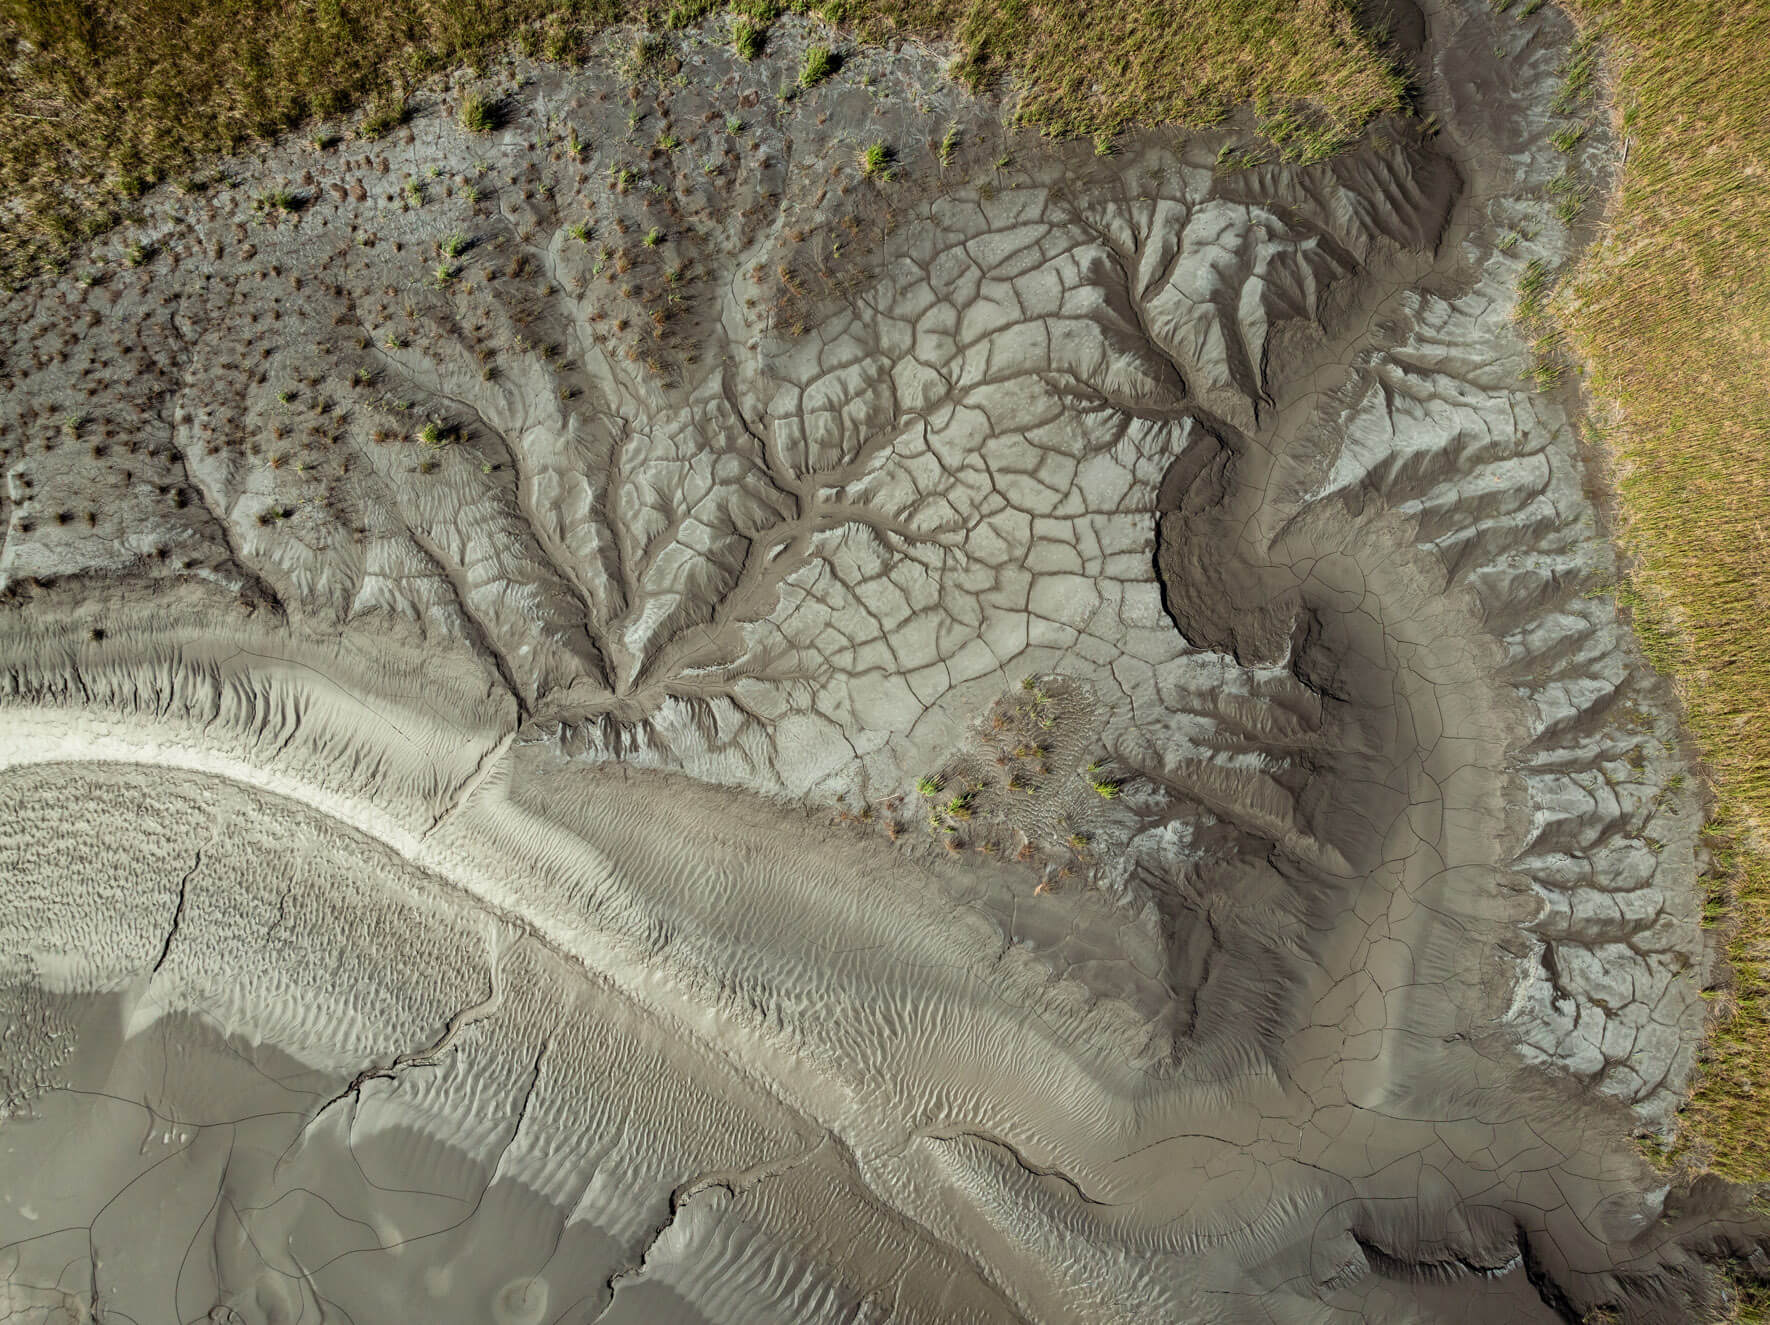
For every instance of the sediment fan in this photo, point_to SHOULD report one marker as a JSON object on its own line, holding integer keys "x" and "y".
{"x": 989, "y": 743}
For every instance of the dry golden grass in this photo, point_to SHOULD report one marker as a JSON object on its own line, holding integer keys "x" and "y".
{"x": 100, "y": 99}
{"x": 1087, "y": 69}
{"x": 1670, "y": 311}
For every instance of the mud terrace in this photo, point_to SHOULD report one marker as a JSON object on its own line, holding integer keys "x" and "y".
{"x": 628, "y": 719}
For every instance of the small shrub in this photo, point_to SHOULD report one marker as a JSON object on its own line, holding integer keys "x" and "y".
{"x": 930, "y": 784}
{"x": 433, "y": 434}
{"x": 653, "y": 237}
{"x": 452, "y": 246}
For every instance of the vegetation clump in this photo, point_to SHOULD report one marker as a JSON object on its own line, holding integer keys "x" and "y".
{"x": 875, "y": 161}
{"x": 949, "y": 144}
{"x": 478, "y": 113}
{"x": 820, "y": 63}
{"x": 748, "y": 38}
{"x": 274, "y": 200}
{"x": 1533, "y": 291}
{"x": 383, "y": 116}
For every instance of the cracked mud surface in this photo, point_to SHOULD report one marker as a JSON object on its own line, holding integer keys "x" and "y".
{"x": 485, "y": 877}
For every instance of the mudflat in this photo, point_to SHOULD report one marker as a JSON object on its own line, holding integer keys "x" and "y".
{"x": 698, "y": 704}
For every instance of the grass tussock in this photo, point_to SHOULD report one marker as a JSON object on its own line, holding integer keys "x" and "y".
{"x": 478, "y": 113}
{"x": 1670, "y": 311}
{"x": 101, "y": 99}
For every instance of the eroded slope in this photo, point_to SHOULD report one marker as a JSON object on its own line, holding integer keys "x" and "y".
{"x": 1296, "y": 937}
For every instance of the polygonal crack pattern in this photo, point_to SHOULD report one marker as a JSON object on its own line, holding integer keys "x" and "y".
{"x": 1163, "y": 575}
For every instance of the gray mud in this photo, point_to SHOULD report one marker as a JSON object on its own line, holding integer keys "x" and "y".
{"x": 463, "y": 708}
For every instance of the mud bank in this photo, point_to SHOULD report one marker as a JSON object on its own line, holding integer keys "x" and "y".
{"x": 626, "y": 720}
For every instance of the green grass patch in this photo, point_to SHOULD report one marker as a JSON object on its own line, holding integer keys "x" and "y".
{"x": 748, "y": 37}
{"x": 820, "y": 63}
{"x": 1533, "y": 291}
{"x": 875, "y": 161}
{"x": 1568, "y": 137}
